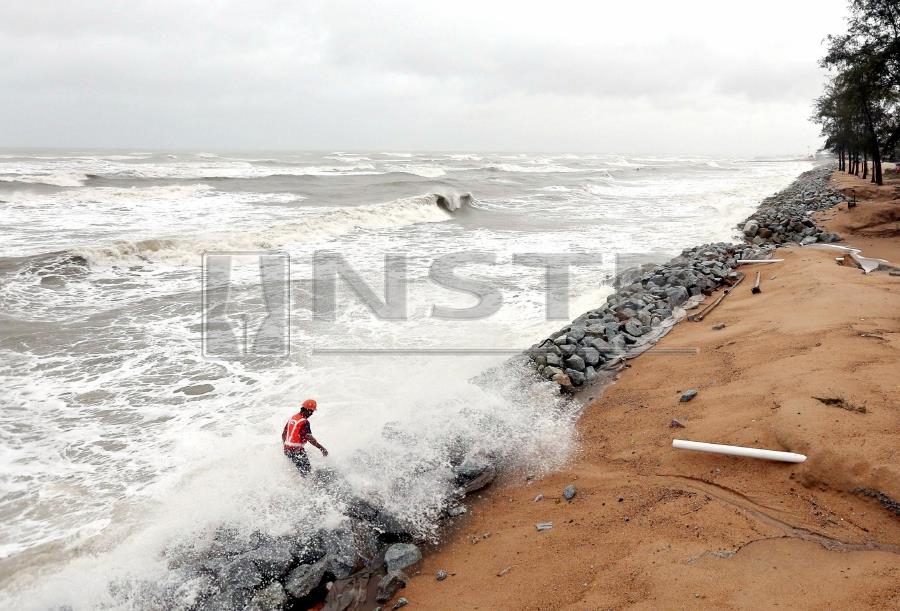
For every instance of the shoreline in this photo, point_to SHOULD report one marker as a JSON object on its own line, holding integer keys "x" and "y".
{"x": 649, "y": 525}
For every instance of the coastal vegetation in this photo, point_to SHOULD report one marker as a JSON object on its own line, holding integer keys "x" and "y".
{"x": 859, "y": 111}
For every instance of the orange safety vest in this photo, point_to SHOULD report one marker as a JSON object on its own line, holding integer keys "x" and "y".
{"x": 295, "y": 431}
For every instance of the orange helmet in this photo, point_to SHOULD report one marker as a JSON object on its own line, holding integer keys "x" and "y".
{"x": 309, "y": 404}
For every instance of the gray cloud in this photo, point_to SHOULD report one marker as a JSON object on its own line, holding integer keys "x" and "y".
{"x": 282, "y": 74}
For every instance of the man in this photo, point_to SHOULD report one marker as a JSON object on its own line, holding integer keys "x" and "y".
{"x": 295, "y": 435}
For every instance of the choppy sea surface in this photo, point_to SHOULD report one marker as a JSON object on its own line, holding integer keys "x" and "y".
{"x": 107, "y": 462}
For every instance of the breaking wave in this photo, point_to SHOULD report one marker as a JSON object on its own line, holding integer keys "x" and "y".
{"x": 58, "y": 179}
{"x": 319, "y": 225}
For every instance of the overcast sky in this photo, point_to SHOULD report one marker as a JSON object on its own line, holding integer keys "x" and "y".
{"x": 647, "y": 77}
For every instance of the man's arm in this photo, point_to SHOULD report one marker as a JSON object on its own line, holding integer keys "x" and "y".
{"x": 313, "y": 441}
{"x": 284, "y": 433}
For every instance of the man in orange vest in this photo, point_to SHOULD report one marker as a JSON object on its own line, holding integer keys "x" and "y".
{"x": 295, "y": 435}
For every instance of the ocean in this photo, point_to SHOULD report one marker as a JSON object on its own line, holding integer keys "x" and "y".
{"x": 125, "y": 436}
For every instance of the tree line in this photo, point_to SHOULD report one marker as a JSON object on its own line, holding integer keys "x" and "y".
{"x": 859, "y": 111}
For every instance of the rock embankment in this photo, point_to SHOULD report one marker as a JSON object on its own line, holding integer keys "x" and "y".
{"x": 647, "y": 301}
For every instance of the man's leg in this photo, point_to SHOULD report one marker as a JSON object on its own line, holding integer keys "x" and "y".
{"x": 301, "y": 461}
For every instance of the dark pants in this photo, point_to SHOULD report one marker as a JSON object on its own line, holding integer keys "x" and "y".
{"x": 299, "y": 458}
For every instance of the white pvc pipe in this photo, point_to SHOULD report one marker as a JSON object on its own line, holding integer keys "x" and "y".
{"x": 716, "y": 448}
{"x": 745, "y": 261}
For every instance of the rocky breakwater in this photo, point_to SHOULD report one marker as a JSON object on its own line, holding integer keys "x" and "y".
{"x": 650, "y": 300}
{"x": 784, "y": 217}
{"x": 364, "y": 556}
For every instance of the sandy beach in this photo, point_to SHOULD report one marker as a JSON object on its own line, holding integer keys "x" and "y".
{"x": 809, "y": 365}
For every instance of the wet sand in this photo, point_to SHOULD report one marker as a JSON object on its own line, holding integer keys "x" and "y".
{"x": 653, "y": 527}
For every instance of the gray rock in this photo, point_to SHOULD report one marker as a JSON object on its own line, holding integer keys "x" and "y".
{"x": 475, "y": 473}
{"x": 634, "y": 328}
{"x": 341, "y": 555}
{"x": 576, "y": 377}
{"x": 543, "y": 526}
{"x": 401, "y": 556}
{"x": 601, "y": 346}
{"x": 576, "y": 333}
{"x": 389, "y": 585}
{"x": 273, "y": 558}
{"x": 688, "y": 395}
{"x": 719, "y": 326}
{"x": 575, "y": 362}
{"x": 553, "y": 360}
{"x": 238, "y": 574}
{"x": 270, "y": 598}
{"x": 677, "y": 295}
{"x": 569, "y": 492}
{"x": 551, "y": 372}
{"x": 591, "y": 356}
{"x": 750, "y": 228}
{"x": 441, "y": 575}
{"x": 304, "y": 578}
{"x": 401, "y": 602}
{"x": 809, "y": 240}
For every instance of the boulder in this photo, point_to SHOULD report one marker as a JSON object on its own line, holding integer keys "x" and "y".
{"x": 633, "y": 328}
{"x": 305, "y": 578}
{"x": 475, "y": 473}
{"x": 402, "y": 556}
{"x": 591, "y": 356}
{"x": 270, "y": 598}
{"x": 575, "y": 362}
{"x": 569, "y": 492}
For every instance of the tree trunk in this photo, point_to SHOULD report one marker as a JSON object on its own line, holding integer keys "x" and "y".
{"x": 876, "y": 154}
{"x": 865, "y": 166}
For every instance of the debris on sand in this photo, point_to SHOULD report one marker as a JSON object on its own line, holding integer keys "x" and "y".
{"x": 842, "y": 403}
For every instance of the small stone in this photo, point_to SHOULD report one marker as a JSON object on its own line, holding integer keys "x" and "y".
{"x": 504, "y": 571}
{"x": 675, "y": 424}
{"x": 457, "y": 511}
{"x": 688, "y": 395}
{"x": 719, "y": 326}
{"x": 569, "y": 492}
{"x": 441, "y": 575}
{"x": 543, "y": 526}
{"x": 388, "y": 586}
{"x": 539, "y": 497}
{"x": 401, "y": 602}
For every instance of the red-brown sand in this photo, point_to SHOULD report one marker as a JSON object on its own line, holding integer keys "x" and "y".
{"x": 652, "y": 527}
